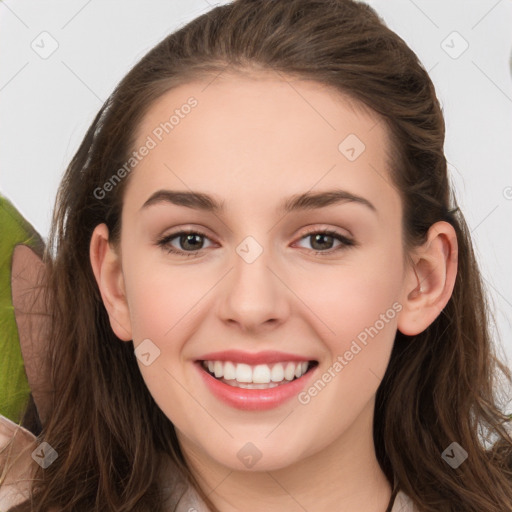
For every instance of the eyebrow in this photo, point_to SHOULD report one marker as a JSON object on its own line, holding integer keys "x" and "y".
{"x": 298, "y": 202}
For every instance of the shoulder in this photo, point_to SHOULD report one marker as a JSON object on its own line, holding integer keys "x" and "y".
{"x": 16, "y": 447}
{"x": 403, "y": 503}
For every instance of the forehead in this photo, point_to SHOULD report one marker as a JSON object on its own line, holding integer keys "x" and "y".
{"x": 268, "y": 132}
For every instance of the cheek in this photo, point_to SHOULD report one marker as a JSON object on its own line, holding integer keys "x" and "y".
{"x": 161, "y": 303}
{"x": 161, "y": 296}
{"x": 160, "y": 308}
{"x": 357, "y": 302}
{"x": 360, "y": 307}
{"x": 167, "y": 304}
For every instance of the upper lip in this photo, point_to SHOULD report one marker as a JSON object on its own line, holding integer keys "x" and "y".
{"x": 253, "y": 358}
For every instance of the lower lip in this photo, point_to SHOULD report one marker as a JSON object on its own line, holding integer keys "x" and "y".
{"x": 254, "y": 399}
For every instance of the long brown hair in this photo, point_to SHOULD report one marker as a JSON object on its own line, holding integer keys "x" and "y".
{"x": 440, "y": 386}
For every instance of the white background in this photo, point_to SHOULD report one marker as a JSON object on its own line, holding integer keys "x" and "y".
{"x": 47, "y": 104}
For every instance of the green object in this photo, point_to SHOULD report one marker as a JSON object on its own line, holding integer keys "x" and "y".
{"x": 14, "y": 386}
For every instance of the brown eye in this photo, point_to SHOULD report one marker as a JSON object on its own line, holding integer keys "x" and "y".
{"x": 189, "y": 242}
{"x": 322, "y": 241}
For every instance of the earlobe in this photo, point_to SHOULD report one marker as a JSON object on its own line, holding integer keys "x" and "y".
{"x": 106, "y": 265}
{"x": 429, "y": 280}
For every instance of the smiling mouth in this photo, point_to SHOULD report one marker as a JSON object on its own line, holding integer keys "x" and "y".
{"x": 260, "y": 376}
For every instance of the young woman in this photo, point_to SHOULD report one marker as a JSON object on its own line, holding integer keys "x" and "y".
{"x": 263, "y": 293}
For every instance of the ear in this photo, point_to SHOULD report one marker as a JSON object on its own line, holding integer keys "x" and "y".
{"x": 106, "y": 265}
{"x": 429, "y": 280}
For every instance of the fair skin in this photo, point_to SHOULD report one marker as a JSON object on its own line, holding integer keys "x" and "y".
{"x": 253, "y": 144}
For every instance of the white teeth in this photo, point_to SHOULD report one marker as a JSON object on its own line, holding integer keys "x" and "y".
{"x": 261, "y": 374}
{"x": 218, "y": 369}
{"x": 236, "y": 384}
{"x": 229, "y": 371}
{"x": 258, "y": 374}
{"x": 289, "y": 372}
{"x": 277, "y": 373}
{"x": 243, "y": 372}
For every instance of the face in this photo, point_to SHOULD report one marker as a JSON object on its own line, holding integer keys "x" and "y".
{"x": 299, "y": 268}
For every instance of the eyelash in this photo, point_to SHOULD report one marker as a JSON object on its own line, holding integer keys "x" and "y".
{"x": 164, "y": 242}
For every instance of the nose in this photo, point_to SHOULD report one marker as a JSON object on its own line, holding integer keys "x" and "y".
{"x": 254, "y": 296}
